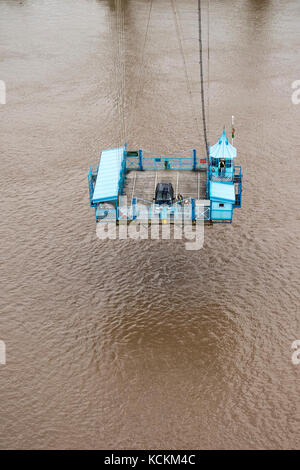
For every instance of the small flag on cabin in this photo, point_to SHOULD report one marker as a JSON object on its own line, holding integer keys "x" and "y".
{"x": 233, "y": 132}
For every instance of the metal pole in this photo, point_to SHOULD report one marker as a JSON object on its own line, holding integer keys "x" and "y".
{"x": 176, "y": 191}
{"x": 140, "y": 159}
{"x": 193, "y": 210}
{"x": 194, "y": 159}
{"x": 133, "y": 208}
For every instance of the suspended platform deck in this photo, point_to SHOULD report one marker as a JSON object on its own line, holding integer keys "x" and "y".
{"x": 123, "y": 186}
{"x": 142, "y": 184}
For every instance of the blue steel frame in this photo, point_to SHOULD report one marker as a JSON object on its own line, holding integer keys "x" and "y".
{"x": 92, "y": 181}
{"x": 222, "y": 221}
{"x": 237, "y": 178}
{"x": 159, "y": 162}
{"x": 174, "y": 212}
{"x": 122, "y": 176}
{"x": 238, "y": 182}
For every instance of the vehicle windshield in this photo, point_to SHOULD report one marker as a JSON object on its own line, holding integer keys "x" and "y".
{"x": 163, "y": 196}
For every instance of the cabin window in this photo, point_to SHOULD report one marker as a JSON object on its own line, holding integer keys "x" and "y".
{"x": 221, "y": 205}
{"x": 214, "y": 162}
{"x": 228, "y": 163}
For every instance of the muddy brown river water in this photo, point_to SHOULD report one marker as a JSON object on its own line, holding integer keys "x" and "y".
{"x": 143, "y": 344}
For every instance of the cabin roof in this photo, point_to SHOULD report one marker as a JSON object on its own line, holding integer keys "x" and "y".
{"x": 223, "y": 149}
{"x": 109, "y": 175}
{"x": 223, "y": 192}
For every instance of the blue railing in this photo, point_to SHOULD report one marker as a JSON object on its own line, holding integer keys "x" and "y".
{"x": 105, "y": 215}
{"x": 144, "y": 160}
{"x": 154, "y": 213}
{"x": 92, "y": 180}
{"x": 238, "y": 180}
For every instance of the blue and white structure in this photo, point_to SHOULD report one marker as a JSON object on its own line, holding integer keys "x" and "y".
{"x": 111, "y": 175}
{"x": 209, "y": 189}
{"x": 224, "y": 183}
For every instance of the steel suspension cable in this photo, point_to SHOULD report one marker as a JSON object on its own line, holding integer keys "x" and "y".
{"x": 201, "y": 77}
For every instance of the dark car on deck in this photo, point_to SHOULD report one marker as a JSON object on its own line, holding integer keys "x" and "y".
{"x": 164, "y": 193}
